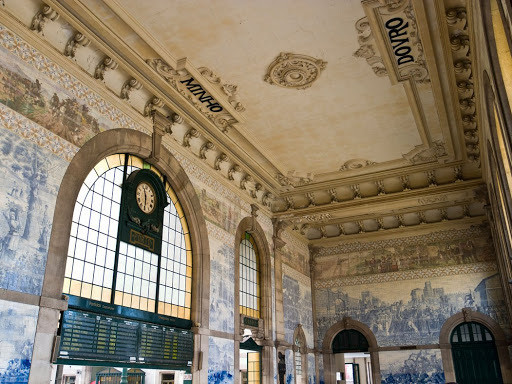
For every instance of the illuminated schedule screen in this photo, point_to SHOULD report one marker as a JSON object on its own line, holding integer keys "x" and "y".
{"x": 91, "y": 336}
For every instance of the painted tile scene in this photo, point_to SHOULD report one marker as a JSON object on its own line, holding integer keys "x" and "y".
{"x": 17, "y": 331}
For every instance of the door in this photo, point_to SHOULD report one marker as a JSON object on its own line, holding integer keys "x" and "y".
{"x": 475, "y": 358}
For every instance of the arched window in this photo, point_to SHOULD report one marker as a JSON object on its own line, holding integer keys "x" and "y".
{"x": 300, "y": 355}
{"x": 118, "y": 251}
{"x": 249, "y": 277}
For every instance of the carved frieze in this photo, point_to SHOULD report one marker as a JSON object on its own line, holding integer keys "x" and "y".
{"x": 460, "y": 44}
{"x": 291, "y": 70}
{"x": 396, "y": 22}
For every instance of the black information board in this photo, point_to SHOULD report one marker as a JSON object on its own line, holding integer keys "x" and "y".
{"x": 98, "y": 337}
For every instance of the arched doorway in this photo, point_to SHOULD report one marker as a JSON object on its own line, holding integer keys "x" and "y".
{"x": 468, "y": 316}
{"x": 475, "y": 358}
{"x": 350, "y": 342}
{"x": 352, "y": 358}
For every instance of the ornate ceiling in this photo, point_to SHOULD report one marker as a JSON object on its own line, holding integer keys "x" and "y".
{"x": 339, "y": 117}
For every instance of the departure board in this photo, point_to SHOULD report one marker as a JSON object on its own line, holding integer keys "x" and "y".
{"x": 98, "y": 337}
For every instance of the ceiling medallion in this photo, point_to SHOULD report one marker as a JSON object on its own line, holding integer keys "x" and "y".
{"x": 289, "y": 70}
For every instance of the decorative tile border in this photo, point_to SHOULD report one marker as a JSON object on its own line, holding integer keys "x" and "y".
{"x": 220, "y": 234}
{"x": 407, "y": 275}
{"x": 42, "y": 137}
{"x": 453, "y": 234}
{"x": 296, "y": 275}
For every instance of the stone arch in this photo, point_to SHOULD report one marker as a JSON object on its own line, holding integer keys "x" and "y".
{"x": 468, "y": 315}
{"x": 251, "y": 225}
{"x": 345, "y": 324}
{"x": 137, "y": 143}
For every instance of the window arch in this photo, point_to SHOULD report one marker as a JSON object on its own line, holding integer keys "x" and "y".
{"x": 101, "y": 266}
{"x": 300, "y": 355}
{"x": 250, "y": 298}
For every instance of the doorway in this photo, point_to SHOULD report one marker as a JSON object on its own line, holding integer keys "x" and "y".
{"x": 475, "y": 358}
{"x": 352, "y": 358}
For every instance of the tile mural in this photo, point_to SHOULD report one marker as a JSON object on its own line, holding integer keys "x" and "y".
{"x": 297, "y": 307}
{"x": 221, "y": 361}
{"x": 405, "y": 367}
{"x": 288, "y": 358}
{"x": 30, "y": 178}
{"x": 411, "y": 312}
{"x": 219, "y": 212}
{"x": 311, "y": 369}
{"x": 443, "y": 250}
{"x": 295, "y": 255}
{"x": 222, "y": 277}
{"x": 26, "y": 91}
{"x": 321, "y": 379}
{"x": 17, "y": 331}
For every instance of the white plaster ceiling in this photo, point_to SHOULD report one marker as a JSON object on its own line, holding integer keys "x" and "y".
{"x": 348, "y": 113}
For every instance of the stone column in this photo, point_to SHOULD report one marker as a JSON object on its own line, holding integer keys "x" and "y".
{"x": 312, "y": 264}
{"x": 46, "y": 330}
{"x": 278, "y": 277}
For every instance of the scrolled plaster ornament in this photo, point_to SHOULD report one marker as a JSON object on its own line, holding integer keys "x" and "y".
{"x": 42, "y": 17}
{"x": 207, "y": 146}
{"x": 128, "y": 87}
{"x": 367, "y": 49}
{"x": 101, "y": 68}
{"x": 73, "y": 43}
{"x": 229, "y": 90}
{"x": 152, "y": 104}
{"x": 165, "y": 70}
{"x": 290, "y": 70}
{"x": 221, "y": 158}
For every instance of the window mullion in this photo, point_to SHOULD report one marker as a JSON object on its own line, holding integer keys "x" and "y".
{"x": 118, "y": 241}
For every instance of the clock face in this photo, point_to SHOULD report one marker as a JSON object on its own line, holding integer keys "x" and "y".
{"x": 146, "y": 199}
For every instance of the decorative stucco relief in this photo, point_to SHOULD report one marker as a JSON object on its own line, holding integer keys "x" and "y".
{"x": 291, "y": 70}
{"x": 457, "y": 22}
{"x": 356, "y": 164}
{"x": 420, "y": 154}
{"x": 396, "y": 22}
{"x": 230, "y": 90}
{"x": 368, "y": 50}
{"x": 179, "y": 80}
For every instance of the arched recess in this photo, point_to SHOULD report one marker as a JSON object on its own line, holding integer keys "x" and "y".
{"x": 468, "y": 315}
{"x": 102, "y": 145}
{"x": 345, "y": 324}
{"x": 260, "y": 334}
{"x": 300, "y": 355}
{"x": 136, "y": 143}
